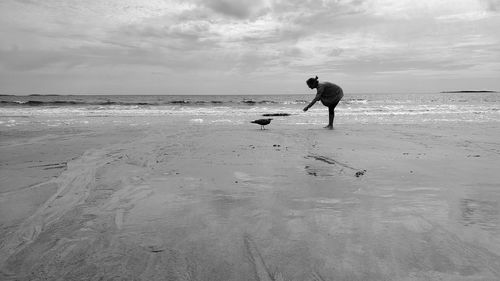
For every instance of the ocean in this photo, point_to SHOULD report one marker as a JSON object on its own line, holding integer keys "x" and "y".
{"x": 404, "y": 108}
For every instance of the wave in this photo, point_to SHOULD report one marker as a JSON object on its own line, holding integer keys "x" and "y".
{"x": 354, "y": 100}
{"x": 72, "y": 103}
{"x": 179, "y": 102}
{"x": 276, "y": 114}
{"x": 55, "y": 103}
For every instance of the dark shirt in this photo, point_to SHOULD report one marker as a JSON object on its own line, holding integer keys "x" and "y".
{"x": 329, "y": 93}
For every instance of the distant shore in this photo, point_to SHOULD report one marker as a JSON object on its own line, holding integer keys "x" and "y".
{"x": 450, "y": 92}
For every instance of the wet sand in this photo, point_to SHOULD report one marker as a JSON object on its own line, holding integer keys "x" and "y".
{"x": 233, "y": 202}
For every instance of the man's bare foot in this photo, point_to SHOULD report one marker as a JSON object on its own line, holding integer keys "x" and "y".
{"x": 330, "y": 127}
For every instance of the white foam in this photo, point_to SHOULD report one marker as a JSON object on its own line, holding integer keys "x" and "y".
{"x": 222, "y": 121}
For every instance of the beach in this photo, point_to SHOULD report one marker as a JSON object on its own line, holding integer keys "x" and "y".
{"x": 204, "y": 195}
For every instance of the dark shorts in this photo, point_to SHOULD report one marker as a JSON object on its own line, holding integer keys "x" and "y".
{"x": 333, "y": 100}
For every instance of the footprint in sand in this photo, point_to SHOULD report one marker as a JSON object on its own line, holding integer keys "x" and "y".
{"x": 331, "y": 161}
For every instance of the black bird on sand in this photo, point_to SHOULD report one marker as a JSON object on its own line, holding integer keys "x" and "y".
{"x": 262, "y": 122}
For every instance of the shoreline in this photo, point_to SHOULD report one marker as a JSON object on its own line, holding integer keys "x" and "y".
{"x": 468, "y": 91}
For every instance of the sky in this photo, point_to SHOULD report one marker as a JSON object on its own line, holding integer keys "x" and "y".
{"x": 247, "y": 47}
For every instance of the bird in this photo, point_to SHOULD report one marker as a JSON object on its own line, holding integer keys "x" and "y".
{"x": 262, "y": 122}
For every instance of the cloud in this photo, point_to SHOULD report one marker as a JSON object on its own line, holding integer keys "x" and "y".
{"x": 24, "y": 60}
{"x": 491, "y": 5}
{"x": 239, "y": 9}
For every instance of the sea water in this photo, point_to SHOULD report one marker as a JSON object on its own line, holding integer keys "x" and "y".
{"x": 403, "y": 108}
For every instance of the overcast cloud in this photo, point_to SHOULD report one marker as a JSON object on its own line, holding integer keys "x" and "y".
{"x": 247, "y": 47}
